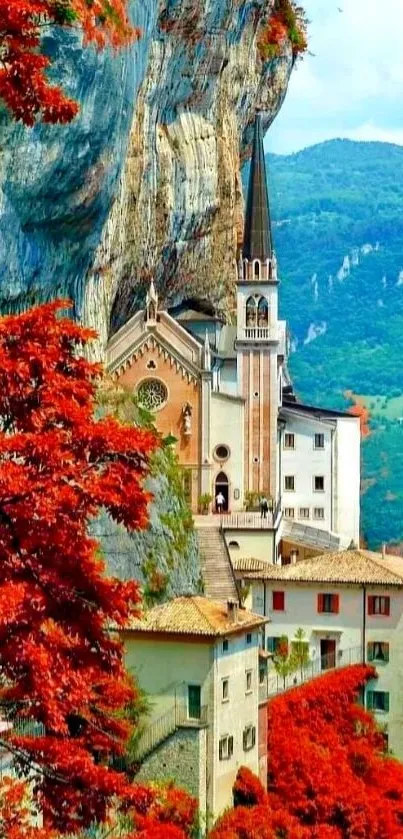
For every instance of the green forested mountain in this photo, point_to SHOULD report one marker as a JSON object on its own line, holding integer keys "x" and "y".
{"x": 338, "y": 227}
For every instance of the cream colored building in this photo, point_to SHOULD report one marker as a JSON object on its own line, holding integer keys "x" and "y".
{"x": 198, "y": 662}
{"x": 350, "y": 606}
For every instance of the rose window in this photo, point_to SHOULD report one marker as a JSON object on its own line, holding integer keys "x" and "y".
{"x": 152, "y": 394}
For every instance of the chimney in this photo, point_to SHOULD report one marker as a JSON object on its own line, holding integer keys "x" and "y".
{"x": 232, "y": 611}
{"x": 294, "y": 557}
{"x": 383, "y": 550}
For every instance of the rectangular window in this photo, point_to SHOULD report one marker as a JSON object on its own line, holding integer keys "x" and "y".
{"x": 225, "y": 690}
{"x": 377, "y": 700}
{"x": 289, "y": 483}
{"x": 289, "y": 513}
{"x": 328, "y": 603}
{"x": 249, "y": 638}
{"x": 248, "y": 686}
{"x": 304, "y": 512}
{"x": 278, "y": 601}
{"x": 319, "y": 483}
{"x": 225, "y": 645}
{"x": 249, "y": 737}
{"x": 378, "y": 605}
{"x": 289, "y": 441}
{"x": 378, "y": 651}
{"x": 319, "y": 441}
{"x": 273, "y": 643}
{"x": 319, "y": 513}
{"x": 194, "y": 702}
{"x": 225, "y": 747}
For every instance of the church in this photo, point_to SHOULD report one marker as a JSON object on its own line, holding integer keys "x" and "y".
{"x": 224, "y": 392}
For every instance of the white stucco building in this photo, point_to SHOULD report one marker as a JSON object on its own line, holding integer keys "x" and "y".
{"x": 198, "y": 661}
{"x": 350, "y": 606}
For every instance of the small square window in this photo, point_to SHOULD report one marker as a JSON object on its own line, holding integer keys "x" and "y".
{"x": 378, "y": 700}
{"x": 273, "y": 643}
{"x": 304, "y": 512}
{"x": 319, "y": 483}
{"x": 249, "y": 737}
{"x": 249, "y": 638}
{"x": 289, "y": 513}
{"x": 319, "y": 513}
{"x": 289, "y": 441}
{"x": 289, "y": 483}
{"x": 225, "y": 690}
{"x": 225, "y": 645}
{"x": 378, "y": 605}
{"x": 278, "y": 601}
{"x": 378, "y": 651}
{"x": 225, "y": 747}
{"x": 328, "y": 603}
{"x": 248, "y": 687}
{"x": 319, "y": 441}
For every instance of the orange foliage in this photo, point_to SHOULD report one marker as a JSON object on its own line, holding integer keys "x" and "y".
{"x": 288, "y": 21}
{"x": 328, "y": 775}
{"x": 24, "y": 86}
{"x": 359, "y": 409}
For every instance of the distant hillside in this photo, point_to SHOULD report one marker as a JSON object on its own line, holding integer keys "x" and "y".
{"x": 338, "y": 226}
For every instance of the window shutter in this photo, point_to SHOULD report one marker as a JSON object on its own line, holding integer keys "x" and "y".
{"x": 370, "y": 702}
{"x": 270, "y": 645}
{"x": 385, "y": 650}
{"x": 244, "y": 739}
{"x": 387, "y": 605}
{"x": 230, "y": 746}
{"x": 387, "y": 702}
{"x": 253, "y": 736}
{"x": 320, "y": 603}
{"x": 220, "y": 750}
{"x": 278, "y": 601}
{"x": 336, "y": 604}
{"x": 370, "y": 651}
{"x": 371, "y": 605}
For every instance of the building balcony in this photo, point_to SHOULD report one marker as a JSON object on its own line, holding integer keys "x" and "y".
{"x": 258, "y": 333}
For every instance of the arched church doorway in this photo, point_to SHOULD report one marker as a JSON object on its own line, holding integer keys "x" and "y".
{"x": 221, "y": 490}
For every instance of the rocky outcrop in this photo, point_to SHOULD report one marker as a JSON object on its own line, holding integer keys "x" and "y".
{"x": 147, "y": 179}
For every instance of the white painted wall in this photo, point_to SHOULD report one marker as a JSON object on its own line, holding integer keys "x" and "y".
{"x": 338, "y": 462}
{"x": 234, "y": 715}
{"x": 304, "y": 462}
{"x": 228, "y": 378}
{"x": 346, "y": 629}
{"x": 256, "y": 544}
{"x": 227, "y": 428}
{"x": 347, "y": 484}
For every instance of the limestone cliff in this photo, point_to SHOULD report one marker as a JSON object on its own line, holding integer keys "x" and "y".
{"x": 147, "y": 179}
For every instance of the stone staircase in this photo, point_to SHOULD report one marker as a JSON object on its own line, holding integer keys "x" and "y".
{"x": 218, "y": 575}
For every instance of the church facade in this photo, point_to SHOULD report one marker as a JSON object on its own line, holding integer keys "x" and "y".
{"x": 224, "y": 392}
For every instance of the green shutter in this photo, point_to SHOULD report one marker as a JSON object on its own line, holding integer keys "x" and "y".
{"x": 370, "y": 651}
{"x": 386, "y": 702}
{"x": 385, "y": 648}
{"x": 370, "y": 701}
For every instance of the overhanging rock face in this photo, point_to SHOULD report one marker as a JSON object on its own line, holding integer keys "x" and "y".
{"x": 147, "y": 180}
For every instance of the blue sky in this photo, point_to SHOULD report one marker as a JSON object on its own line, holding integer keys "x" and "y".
{"x": 352, "y": 85}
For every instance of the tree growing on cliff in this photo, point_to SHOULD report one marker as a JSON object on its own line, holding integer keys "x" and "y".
{"x": 60, "y": 669}
{"x": 24, "y": 85}
{"x": 328, "y": 775}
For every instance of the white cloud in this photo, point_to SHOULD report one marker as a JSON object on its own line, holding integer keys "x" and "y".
{"x": 352, "y": 85}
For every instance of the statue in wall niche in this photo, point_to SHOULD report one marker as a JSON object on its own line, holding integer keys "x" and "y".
{"x": 187, "y": 419}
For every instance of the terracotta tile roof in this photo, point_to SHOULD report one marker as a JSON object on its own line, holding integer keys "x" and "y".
{"x": 351, "y": 566}
{"x": 194, "y": 616}
{"x": 248, "y": 564}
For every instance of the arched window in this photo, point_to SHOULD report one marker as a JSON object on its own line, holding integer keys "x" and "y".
{"x": 251, "y": 313}
{"x": 234, "y": 546}
{"x": 256, "y": 268}
{"x": 263, "y": 312}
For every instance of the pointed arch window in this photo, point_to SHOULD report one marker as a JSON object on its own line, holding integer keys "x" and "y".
{"x": 256, "y": 269}
{"x": 251, "y": 312}
{"x": 263, "y": 312}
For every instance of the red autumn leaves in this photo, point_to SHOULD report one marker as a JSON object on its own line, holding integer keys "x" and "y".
{"x": 24, "y": 84}
{"x": 328, "y": 776}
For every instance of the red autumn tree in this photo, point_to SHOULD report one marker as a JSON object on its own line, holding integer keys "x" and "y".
{"x": 59, "y": 666}
{"x": 328, "y": 775}
{"x": 24, "y": 85}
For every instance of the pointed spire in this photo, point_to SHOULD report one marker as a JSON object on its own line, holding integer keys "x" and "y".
{"x": 151, "y": 302}
{"x": 207, "y": 352}
{"x": 257, "y": 240}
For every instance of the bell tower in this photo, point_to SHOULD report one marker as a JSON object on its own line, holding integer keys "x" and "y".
{"x": 258, "y": 331}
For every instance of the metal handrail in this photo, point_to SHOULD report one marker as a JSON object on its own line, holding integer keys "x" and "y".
{"x": 160, "y": 729}
{"x": 332, "y": 661}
